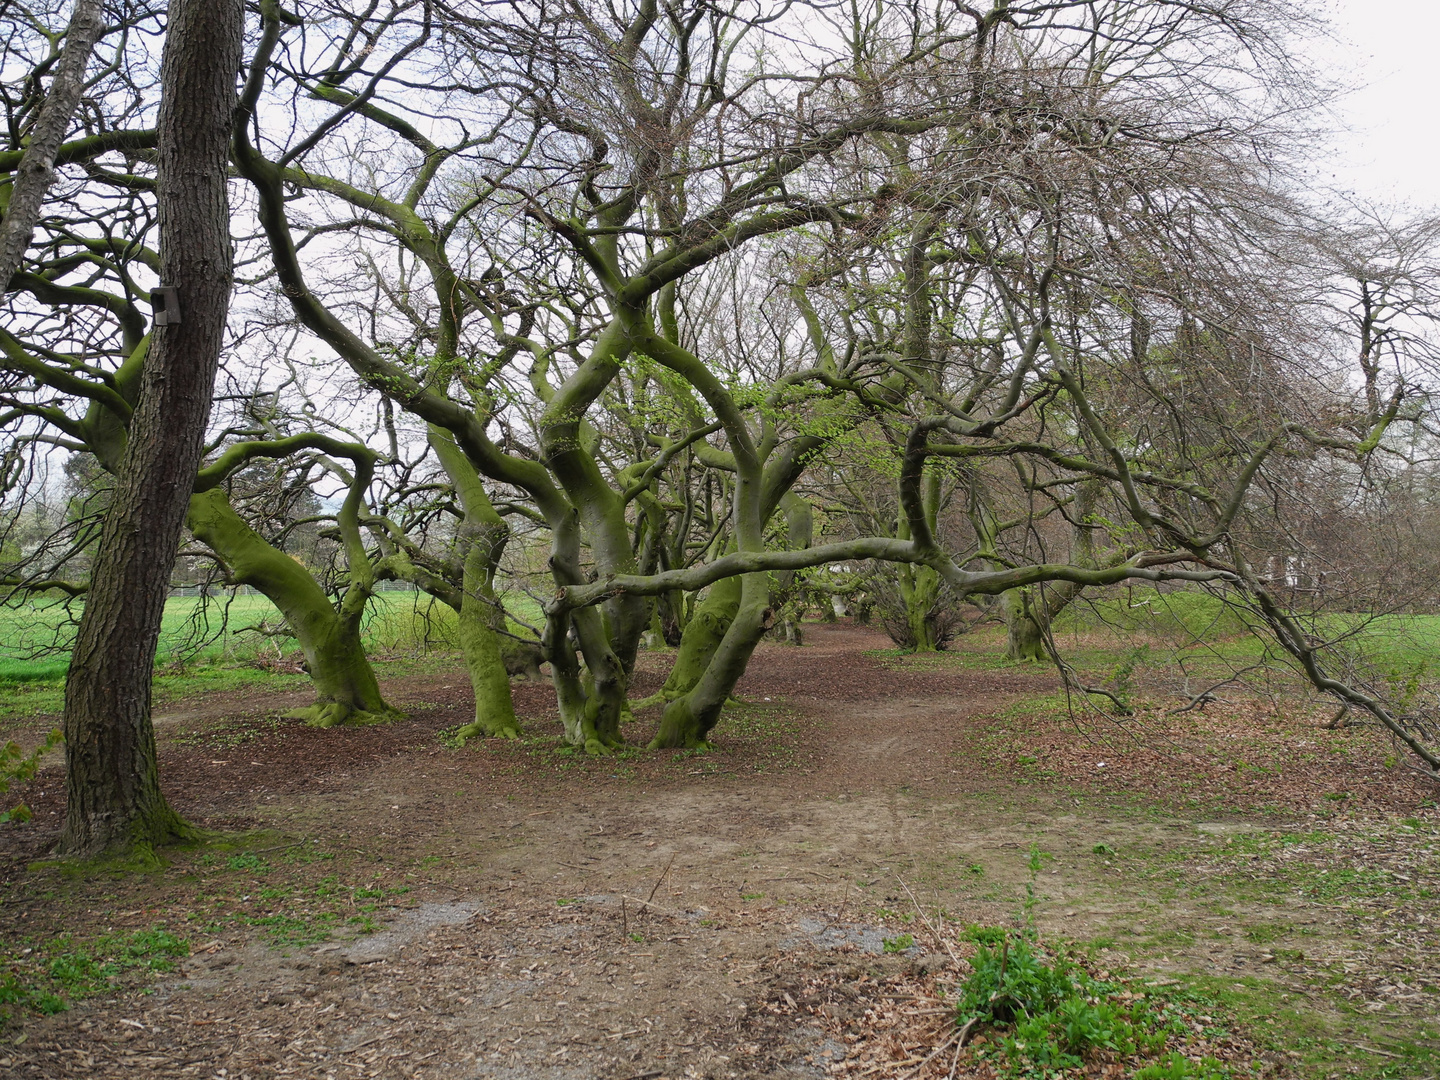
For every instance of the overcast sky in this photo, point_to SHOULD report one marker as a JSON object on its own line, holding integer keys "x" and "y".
{"x": 1392, "y": 152}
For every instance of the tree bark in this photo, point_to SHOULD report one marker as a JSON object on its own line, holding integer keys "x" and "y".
{"x": 483, "y": 534}
{"x": 36, "y": 171}
{"x": 346, "y": 691}
{"x": 1024, "y": 634}
{"x": 114, "y": 802}
{"x": 703, "y": 634}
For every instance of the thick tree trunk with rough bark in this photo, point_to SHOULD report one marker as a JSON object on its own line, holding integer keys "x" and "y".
{"x": 113, "y": 787}
{"x": 36, "y": 171}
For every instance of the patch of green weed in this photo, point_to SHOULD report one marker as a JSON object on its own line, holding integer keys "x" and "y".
{"x": 47, "y": 979}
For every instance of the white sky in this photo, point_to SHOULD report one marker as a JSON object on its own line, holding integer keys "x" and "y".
{"x": 1387, "y": 52}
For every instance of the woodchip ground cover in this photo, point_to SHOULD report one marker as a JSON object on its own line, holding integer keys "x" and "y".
{"x": 798, "y": 902}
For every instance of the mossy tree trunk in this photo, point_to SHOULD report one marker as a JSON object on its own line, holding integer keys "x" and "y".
{"x": 787, "y": 600}
{"x": 1024, "y": 634}
{"x": 592, "y": 704}
{"x": 702, "y": 636}
{"x": 920, "y": 586}
{"x": 481, "y": 537}
{"x": 346, "y": 690}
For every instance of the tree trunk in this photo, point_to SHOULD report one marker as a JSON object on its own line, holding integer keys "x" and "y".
{"x": 919, "y": 588}
{"x": 1024, "y": 634}
{"x": 346, "y": 690}
{"x": 114, "y": 801}
{"x": 1029, "y": 612}
{"x": 36, "y": 170}
{"x": 483, "y": 535}
{"x": 703, "y": 634}
{"x": 688, "y": 720}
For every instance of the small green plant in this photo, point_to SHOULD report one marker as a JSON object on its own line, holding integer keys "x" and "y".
{"x": 1180, "y": 1068}
{"x": 1102, "y": 849}
{"x": 752, "y": 896}
{"x": 450, "y": 737}
{"x": 1011, "y": 981}
{"x": 67, "y": 970}
{"x": 984, "y": 935}
{"x": 1037, "y": 862}
{"x": 247, "y": 861}
{"x": 16, "y": 767}
{"x": 1050, "y": 1013}
{"x": 898, "y": 944}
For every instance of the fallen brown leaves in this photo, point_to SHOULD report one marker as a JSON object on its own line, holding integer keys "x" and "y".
{"x": 1245, "y": 755}
{"x": 905, "y": 1026}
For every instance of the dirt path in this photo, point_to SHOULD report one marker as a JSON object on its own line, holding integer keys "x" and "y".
{"x": 539, "y": 914}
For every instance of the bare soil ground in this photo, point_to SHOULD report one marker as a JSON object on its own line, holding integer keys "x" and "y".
{"x": 378, "y": 903}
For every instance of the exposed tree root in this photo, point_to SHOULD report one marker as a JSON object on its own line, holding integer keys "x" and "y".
{"x": 338, "y": 714}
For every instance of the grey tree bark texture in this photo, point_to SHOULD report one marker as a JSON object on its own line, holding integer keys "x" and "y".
{"x": 114, "y": 802}
{"x": 37, "y": 167}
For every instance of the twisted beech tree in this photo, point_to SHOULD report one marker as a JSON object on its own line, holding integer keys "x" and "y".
{"x": 73, "y": 353}
{"x": 1027, "y": 236}
{"x": 623, "y": 263}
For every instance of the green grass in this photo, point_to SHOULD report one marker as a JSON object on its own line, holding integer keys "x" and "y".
{"x": 34, "y": 636}
{"x": 1324, "y": 1043}
{"x": 204, "y": 646}
{"x": 1400, "y": 642}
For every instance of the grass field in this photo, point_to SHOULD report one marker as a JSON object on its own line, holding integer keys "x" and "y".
{"x": 1405, "y": 644}
{"x": 209, "y": 643}
{"x": 35, "y": 639}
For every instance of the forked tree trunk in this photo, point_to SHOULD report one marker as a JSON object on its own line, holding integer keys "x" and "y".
{"x": 688, "y": 720}
{"x": 703, "y": 634}
{"x": 114, "y": 802}
{"x": 1024, "y": 634}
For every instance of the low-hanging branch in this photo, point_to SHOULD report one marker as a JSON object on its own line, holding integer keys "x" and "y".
{"x": 1147, "y": 566}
